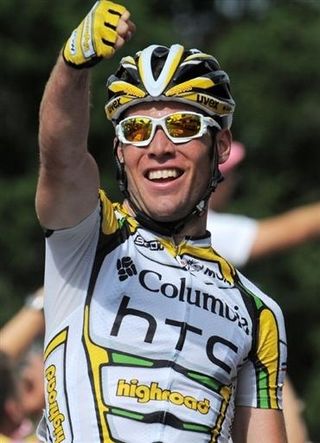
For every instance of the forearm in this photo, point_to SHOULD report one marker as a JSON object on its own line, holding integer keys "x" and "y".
{"x": 285, "y": 231}
{"x": 23, "y": 328}
{"x": 64, "y": 114}
{"x": 68, "y": 179}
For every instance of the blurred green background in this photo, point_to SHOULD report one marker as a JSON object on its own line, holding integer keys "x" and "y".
{"x": 271, "y": 50}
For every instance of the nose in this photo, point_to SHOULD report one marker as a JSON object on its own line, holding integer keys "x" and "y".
{"x": 161, "y": 145}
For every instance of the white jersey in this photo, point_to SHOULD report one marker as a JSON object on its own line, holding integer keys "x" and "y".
{"x": 232, "y": 235}
{"x": 147, "y": 341}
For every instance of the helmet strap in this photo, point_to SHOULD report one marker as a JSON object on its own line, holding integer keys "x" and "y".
{"x": 121, "y": 174}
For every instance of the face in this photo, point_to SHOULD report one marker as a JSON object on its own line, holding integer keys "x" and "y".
{"x": 165, "y": 179}
{"x": 32, "y": 386}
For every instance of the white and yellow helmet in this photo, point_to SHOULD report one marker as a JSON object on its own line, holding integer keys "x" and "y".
{"x": 174, "y": 74}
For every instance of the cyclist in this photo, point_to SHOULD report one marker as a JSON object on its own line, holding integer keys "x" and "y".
{"x": 150, "y": 335}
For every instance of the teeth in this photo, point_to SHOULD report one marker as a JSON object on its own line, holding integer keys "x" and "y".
{"x": 164, "y": 173}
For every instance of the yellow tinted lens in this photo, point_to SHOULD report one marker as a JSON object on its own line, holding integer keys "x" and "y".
{"x": 136, "y": 129}
{"x": 183, "y": 125}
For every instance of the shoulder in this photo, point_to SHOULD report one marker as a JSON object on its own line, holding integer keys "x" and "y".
{"x": 259, "y": 297}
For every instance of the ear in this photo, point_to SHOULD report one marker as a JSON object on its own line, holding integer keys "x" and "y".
{"x": 117, "y": 146}
{"x": 223, "y": 142}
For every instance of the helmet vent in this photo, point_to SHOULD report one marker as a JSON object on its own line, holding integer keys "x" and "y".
{"x": 156, "y": 82}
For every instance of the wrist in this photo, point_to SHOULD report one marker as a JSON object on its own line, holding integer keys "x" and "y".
{"x": 34, "y": 301}
{"x": 75, "y": 63}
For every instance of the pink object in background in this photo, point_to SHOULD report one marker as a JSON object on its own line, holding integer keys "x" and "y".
{"x": 237, "y": 154}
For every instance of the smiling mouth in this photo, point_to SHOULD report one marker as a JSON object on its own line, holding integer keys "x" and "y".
{"x": 164, "y": 174}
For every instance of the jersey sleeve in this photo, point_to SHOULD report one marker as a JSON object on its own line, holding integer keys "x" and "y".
{"x": 262, "y": 376}
{"x": 70, "y": 254}
{"x": 232, "y": 236}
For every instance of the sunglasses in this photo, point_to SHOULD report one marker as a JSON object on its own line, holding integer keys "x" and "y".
{"x": 179, "y": 127}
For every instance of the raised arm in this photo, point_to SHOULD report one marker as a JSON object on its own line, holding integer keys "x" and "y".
{"x": 24, "y": 327}
{"x": 69, "y": 179}
{"x": 292, "y": 228}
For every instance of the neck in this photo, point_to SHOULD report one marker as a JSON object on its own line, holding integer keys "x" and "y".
{"x": 193, "y": 227}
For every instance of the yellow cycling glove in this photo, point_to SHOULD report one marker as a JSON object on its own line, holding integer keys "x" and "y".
{"x": 95, "y": 37}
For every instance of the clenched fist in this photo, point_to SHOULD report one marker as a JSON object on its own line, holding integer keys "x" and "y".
{"x": 103, "y": 30}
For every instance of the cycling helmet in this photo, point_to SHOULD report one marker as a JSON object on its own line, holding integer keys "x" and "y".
{"x": 159, "y": 73}
{"x": 176, "y": 74}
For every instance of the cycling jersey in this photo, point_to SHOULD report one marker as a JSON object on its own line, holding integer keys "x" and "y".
{"x": 148, "y": 341}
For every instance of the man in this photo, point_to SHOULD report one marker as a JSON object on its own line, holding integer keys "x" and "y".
{"x": 150, "y": 335}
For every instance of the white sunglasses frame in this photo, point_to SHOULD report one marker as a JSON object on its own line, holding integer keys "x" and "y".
{"x": 156, "y": 122}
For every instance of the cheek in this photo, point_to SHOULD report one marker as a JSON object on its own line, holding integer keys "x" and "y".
{"x": 131, "y": 160}
{"x": 204, "y": 170}
{"x": 129, "y": 163}
{"x": 205, "y": 159}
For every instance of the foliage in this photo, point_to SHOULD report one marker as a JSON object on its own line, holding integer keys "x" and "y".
{"x": 270, "y": 49}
